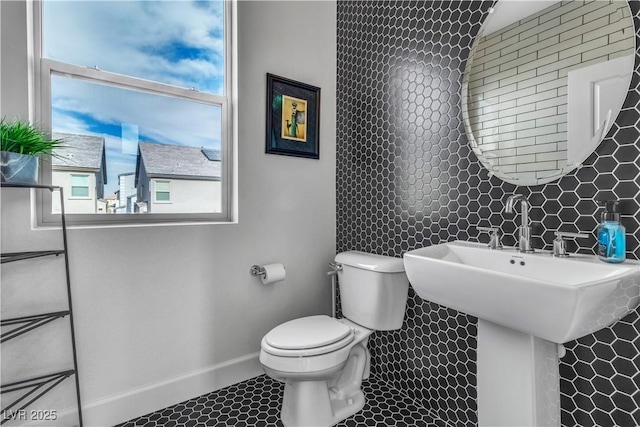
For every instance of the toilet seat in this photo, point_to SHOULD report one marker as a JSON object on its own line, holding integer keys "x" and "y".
{"x": 307, "y": 336}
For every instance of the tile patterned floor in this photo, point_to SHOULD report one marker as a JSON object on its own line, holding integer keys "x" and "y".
{"x": 256, "y": 402}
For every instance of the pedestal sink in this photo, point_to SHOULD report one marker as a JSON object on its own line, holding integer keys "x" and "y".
{"x": 526, "y": 305}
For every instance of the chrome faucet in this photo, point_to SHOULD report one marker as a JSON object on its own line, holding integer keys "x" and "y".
{"x": 524, "y": 240}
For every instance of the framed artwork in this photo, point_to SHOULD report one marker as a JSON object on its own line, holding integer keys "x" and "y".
{"x": 293, "y": 118}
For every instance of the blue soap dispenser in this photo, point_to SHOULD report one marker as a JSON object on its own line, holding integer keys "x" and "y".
{"x": 611, "y": 237}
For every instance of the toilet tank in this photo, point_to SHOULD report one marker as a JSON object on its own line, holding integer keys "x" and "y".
{"x": 373, "y": 289}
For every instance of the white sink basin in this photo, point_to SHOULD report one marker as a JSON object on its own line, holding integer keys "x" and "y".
{"x": 557, "y": 299}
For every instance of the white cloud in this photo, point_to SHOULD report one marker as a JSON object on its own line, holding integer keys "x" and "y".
{"x": 139, "y": 38}
{"x": 69, "y": 124}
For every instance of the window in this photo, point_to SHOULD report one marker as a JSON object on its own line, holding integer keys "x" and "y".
{"x": 79, "y": 185}
{"x": 163, "y": 191}
{"x": 139, "y": 92}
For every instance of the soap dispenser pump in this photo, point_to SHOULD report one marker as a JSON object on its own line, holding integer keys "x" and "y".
{"x": 611, "y": 234}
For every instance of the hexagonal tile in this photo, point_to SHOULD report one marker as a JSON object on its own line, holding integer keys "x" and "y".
{"x": 435, "y": 58}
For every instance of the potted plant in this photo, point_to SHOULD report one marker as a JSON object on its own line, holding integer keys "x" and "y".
{"x": 22, "y": 144}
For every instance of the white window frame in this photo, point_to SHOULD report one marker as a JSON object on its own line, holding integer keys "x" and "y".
{"x": 80, "y": 175}
{"x": 45, "y": 69}
{"x": 155, "y": 190}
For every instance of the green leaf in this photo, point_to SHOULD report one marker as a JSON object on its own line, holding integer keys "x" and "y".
{"x": 19, "y": 136}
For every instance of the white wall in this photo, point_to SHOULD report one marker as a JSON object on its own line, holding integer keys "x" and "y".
{"x": 13, "y": 43}
{"x": 159, "y": 308}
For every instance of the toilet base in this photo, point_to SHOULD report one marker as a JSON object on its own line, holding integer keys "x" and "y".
{"x": 309, "y": 403}
{"x": 323, "y": 402}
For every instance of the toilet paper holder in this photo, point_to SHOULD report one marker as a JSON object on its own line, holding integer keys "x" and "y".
{"x": 258, "y": 270}
{"x": 269, "y": 273}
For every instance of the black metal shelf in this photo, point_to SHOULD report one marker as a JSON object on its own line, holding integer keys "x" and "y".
{"x": 29, "y": 323}
{"x": 18, "y": 256}
{"x": 39, "y": 386}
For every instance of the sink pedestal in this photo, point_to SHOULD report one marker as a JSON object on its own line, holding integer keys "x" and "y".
{"x": 518, "y": 379}
{"x": 554, "y": 299}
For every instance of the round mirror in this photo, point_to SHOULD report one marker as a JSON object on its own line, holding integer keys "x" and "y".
{"x": 544, "y": 82}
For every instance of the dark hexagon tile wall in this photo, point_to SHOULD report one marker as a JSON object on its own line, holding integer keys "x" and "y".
{"x": 407, "y": 178}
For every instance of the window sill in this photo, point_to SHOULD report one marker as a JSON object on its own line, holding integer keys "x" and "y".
{"x": 146, "y": 225}
{"x": 97, "y": 221}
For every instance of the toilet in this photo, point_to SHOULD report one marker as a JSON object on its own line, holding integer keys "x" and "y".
{"x": 323, "y": 360}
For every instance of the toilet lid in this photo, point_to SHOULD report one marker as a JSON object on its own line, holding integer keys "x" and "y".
{"x": 307, "y": 332}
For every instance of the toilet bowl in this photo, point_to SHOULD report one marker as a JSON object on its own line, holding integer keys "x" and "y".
{"x": 322, "y": 373}
{"x": 323, "y": 360}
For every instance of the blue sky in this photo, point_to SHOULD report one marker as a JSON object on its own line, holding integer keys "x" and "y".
{"x": 174, "y": 42}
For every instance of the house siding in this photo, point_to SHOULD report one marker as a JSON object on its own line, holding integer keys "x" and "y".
{"x": 75, "y": 205}
{"x": 187, "y": 196}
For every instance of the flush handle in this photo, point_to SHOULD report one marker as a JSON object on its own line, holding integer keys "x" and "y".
{"x": 335, "y": 267}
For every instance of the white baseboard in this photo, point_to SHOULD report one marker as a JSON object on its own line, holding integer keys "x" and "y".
{"x": 131, "y": 404}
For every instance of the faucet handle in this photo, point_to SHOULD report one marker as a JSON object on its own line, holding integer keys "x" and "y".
{"x": 494, "y": 236}
{"x": 559, "y": 244}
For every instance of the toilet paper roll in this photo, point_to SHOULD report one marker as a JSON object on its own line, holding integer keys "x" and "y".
{"x": 273, "y": 273}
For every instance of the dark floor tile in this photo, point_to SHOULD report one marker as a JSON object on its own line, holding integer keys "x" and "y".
{"x": 256, "y": 402}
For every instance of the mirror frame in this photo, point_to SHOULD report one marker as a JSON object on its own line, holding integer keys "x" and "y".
{"x": 492, "y": 170}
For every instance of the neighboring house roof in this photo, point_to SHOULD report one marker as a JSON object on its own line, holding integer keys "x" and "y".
{"x": 80, "y": 152}
{"x": 176, "y": 161}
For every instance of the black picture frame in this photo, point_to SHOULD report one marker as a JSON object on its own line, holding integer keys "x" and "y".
{"x": 293, "y": 118}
